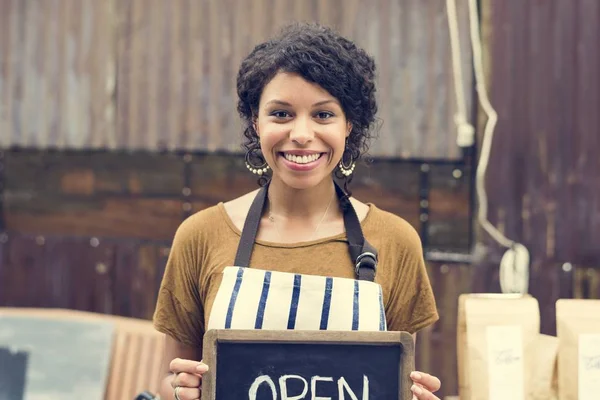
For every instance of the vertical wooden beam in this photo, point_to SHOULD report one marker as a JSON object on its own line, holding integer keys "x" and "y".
{"x": 2, "y": 219}
{"x": 424, "y": 183}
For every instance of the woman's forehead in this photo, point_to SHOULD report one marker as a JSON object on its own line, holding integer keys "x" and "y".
{"x": 292, "y": 88}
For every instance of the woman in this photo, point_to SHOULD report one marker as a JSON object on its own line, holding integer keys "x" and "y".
{"x": 307, "y": 98}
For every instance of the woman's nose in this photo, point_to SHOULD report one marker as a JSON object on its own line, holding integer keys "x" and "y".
{"x": 301, "y": 131}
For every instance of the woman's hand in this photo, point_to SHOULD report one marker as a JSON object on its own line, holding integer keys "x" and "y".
{"x": 424, "y": 386}
{"x": 188, "y": 378}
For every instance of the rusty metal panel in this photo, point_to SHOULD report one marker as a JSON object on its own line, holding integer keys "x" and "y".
{"x": 178, "y": 63}
{"x": 150, "y": 74}
{"x": 57, "y": 76}
{"x": 542, "y": 179}
{"x": 543, "y": 174}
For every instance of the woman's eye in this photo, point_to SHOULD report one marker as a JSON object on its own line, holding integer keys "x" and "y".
{"x": 280, "y": 114}
{"x": 324, "y": 115}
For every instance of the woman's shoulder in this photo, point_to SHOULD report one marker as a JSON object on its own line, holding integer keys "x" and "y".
{"x": 200, "y": 219}
{"x": 213, "y": 220}
{"x": 236, "y": 210}
{"x": 391, "y": 227}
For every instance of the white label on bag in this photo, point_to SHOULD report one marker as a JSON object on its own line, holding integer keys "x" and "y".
{"x": 589, "y": 366}
{"x": 505, "y": 363}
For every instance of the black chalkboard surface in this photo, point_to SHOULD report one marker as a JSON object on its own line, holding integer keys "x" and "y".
{"x": 294, "y": 365}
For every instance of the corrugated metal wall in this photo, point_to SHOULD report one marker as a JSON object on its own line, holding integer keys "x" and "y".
{"x": 543, "y": 175}
{"x": 57, "y": 75}
{"x": 548, "y": 194}
{"x": 152, "y": 74}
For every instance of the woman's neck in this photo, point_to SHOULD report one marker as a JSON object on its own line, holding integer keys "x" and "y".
{"x": 300, "y": 203}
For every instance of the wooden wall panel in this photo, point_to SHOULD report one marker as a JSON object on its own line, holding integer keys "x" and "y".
{"x": 22, "y": 261}
{"x": 146, "y": 196}
{"x": 107, "y": 276}
{"x": 80, "y": 194}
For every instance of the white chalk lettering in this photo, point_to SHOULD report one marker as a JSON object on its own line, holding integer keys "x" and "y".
{"x": 313, "y": 387}
{"x": 343, "y": 387}
{"x": 259, "y": 381}
{"x": 284, "y": 390}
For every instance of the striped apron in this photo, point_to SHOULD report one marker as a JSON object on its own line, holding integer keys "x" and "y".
{"x": 251, "y": 298}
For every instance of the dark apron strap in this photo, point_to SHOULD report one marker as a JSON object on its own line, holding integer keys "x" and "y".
{"x": 244, "y": 251}
{"x": 363, "y": 255}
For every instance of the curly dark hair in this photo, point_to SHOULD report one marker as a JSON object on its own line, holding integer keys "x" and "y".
{"x": 321, "y": 56}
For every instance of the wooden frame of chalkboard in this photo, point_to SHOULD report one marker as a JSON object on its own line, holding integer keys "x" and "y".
{"x": 383, "y": 341}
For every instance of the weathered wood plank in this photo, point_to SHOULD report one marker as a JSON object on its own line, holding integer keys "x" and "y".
{"x": 59, "y": 178}
{"x": 145, "y": 195}
{"x": 109, "y": 217}
{"x": 24, "y": 272}
{"x": 125, "y": 261}
{"x": 143, "y": 288}
{"x": 108, "y": 195}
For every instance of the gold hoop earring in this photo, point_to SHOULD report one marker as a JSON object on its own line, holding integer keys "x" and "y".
{"x": 348, "y": 169}
{"x": 260, "y": 169}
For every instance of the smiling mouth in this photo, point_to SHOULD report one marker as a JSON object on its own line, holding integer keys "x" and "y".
{"x": 304, "y": 159}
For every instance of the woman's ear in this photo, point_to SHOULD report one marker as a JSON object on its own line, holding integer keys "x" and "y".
{"x": 255, "y": 126}
{"x": 348, "y": 128}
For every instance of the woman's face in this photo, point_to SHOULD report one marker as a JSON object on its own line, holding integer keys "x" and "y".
{"x": 302, "y": 130}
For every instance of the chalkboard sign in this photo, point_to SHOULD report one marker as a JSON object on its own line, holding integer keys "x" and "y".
{"x": 13, "y": 371}
{"x": 295, "y": 365}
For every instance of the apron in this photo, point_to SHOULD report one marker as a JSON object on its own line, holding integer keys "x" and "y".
{"x": 251, "y": 298}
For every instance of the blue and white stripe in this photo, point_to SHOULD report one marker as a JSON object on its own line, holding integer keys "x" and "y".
{"x": 250, "y": 298}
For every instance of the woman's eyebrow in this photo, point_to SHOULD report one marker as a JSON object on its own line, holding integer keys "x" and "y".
{"x": 279, "y": 102}
{"x": 285, "y": 103}
{"x": 320, "y": 103}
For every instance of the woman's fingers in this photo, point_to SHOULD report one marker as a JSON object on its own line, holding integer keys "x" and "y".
{"x": 190, "y": 366}
{"x": 188, "y": 393}
{"x": 420, "y": 393}
{"x": 430, "y": 382}
{"x": 186, "y": 380}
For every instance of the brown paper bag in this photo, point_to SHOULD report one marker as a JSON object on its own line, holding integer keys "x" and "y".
{"x": 496, "y": 337}
{"x": 544, "y": 381}
{"x": 578, "y": 330}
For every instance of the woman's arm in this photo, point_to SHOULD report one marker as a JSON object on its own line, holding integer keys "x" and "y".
{"x": 185, "y": 359}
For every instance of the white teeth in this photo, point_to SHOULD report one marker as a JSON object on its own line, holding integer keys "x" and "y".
{"x": 302, "y": 159}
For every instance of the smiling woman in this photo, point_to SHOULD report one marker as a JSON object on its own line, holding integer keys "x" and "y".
{"x": 340, "y": 73}
{"x": 300, "y": 252}
{"x": 302, "y": 131}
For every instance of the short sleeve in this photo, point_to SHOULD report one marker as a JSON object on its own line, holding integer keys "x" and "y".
{"x": 412, "y": 305}
{"x": 179, "y": 312}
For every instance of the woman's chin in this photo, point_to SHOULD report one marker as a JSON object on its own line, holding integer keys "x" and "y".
{"x": 303, "y": 182}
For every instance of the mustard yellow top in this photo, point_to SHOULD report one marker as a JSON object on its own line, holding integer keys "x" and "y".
{"x": 206, "y": 243}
